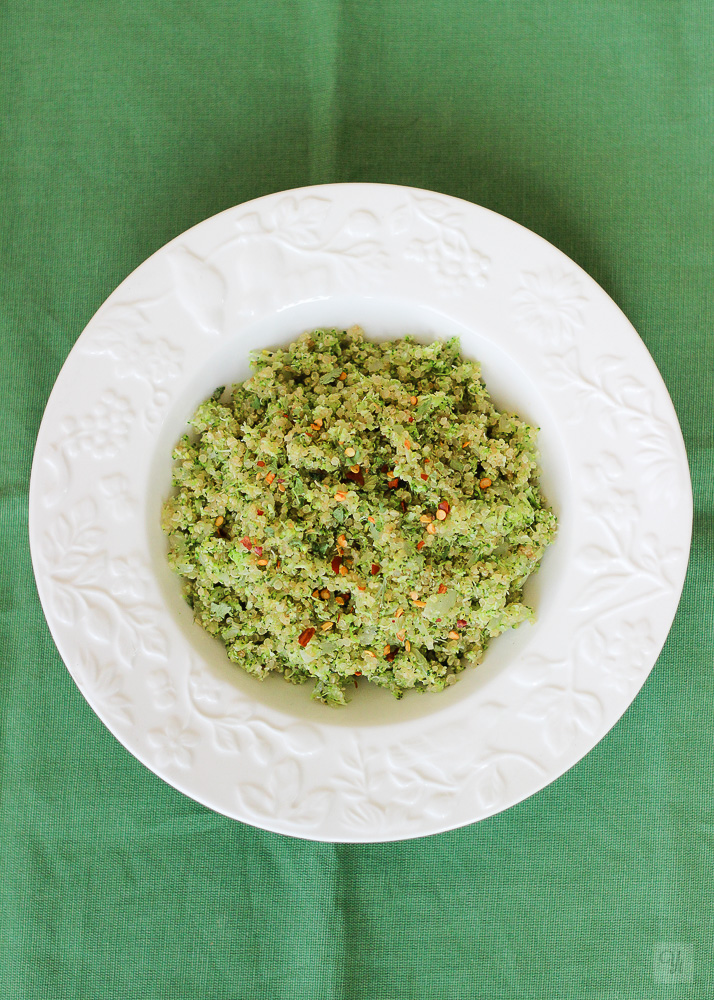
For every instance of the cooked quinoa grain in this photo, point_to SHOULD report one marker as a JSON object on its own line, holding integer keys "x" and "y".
{"x": 357, "y": 509}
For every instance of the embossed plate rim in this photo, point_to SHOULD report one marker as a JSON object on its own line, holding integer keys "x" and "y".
{"x": 156, "y": 693}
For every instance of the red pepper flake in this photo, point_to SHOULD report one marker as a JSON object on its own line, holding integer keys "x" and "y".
{"x": 445, "y": 506}
{"x": 260, "y": 512}
{"x": 305, "y": 636}
{"x": 393, "y": 483}
{"x": 261, "y": 464}
{"x": 375, "y": 569}
{"x": 258, "y": 550}
{"x": 247, "y": 542}
{"x": 424, "y": 476}
{"x": 442, "y": 588}
{"x": 389, "y": 657}
{"x": 461, "y": 623}
{"x": 421, "y": 544}
{"x": 358, "y": 673}
{"x": 355, "y": 477}
{"x": 336, "y": 563}
{"x": 403, "y": 504}
{"x": 411, "y": 420}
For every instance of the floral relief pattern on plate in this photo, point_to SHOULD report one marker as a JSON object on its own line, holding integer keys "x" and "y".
{"x": 99, "y": 433}
{"x": 375, "y": 787}
{"x": 296, "y": 250}
{"x": 284, "y": 792}
{"x": 174, "y": 743}
{"x": 103, "y": 683}
{"x": 626, "y": 566}
{"x": 124, "y": 334}
{"x": 564, "y": 710}
{"x": 549, "y": 307}
{"x": 400, "y": 784}
{"x": 199, "y": 287}
{"x": 115, "y": 490}
{"x": 239, "y": 726}
{"x": 300, "y": 247}
{"x": 104, "y": 597}
{"x": 606, "y": 391}
{"x": 444, "y": 248}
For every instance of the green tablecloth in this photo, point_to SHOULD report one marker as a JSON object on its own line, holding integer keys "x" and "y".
{"x": 123, "y": 124}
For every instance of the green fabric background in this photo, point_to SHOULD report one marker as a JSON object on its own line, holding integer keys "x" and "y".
{"x": 123, "y": 124}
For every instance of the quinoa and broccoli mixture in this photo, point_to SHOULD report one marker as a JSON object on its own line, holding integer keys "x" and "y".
{"x": 357, "y": 510}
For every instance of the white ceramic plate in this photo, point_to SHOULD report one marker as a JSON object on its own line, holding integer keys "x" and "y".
{"x": 553, "y": 346}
